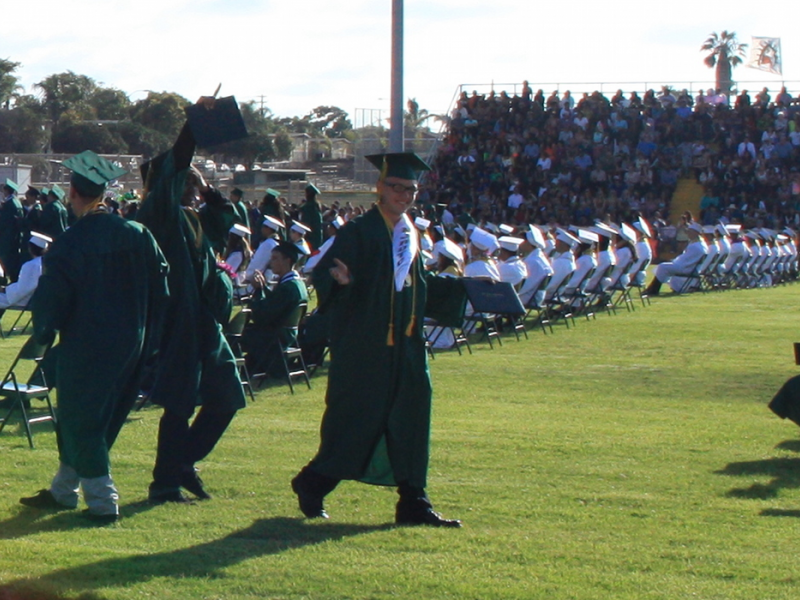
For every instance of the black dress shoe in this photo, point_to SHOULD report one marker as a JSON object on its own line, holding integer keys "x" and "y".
{"x": 191, "y": 482}
{"x": 44, "y": 500}
{"x": 422, "y": 515}
{"x": 310, "y": 504}
{"x": 163, "y": 496}
{"x": 99, "y": 519}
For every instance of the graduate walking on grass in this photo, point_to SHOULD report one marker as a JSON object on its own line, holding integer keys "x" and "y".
{"x": 372, "y": 285}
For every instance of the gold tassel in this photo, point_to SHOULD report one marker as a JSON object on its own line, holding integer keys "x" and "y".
{"x": 390, "y": 336}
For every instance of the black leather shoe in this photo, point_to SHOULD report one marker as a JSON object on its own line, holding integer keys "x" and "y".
{"x": 191, "y": 482}
{"x": 100, "y": 519}
{"x": 44, "y": 500}
{"x": 162, "y": 496}
{"x": 422, "y": 515}
{"x": 310, "y": 504}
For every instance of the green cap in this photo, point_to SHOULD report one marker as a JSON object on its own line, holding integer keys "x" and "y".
{"x": 312, "y": 188}
{"x": 44, "y": 191}
{"x": 403, "y": 165}
{"x": 12, "y": 184}
{"x": 58, "y": 192}
{"x": 91, "y": 173}
{"x": 274, "y": 193}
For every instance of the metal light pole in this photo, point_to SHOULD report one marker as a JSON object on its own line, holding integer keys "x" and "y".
{"x": 396, "y": 117}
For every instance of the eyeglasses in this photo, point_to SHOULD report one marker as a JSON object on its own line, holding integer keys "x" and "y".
{"x": 399, "y": 188}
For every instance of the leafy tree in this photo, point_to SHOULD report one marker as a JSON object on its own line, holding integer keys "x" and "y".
{"x": 72, "y": 138}
{"x": 725, "y": 53}
{"x": 110, "y": 104}
{"x": 9, "y": 85}
{"x": 23, "y": 128}
{"x": 68, "y": 94}
{"x": 328, "y": 121}
{"x": 161, "y": 112}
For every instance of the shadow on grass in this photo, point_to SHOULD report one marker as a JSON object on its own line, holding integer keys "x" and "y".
{"x": 263, "y": 537}
{"x": 785, "y": 473}
{"x": 778, "y": 512}
{"x": 30, "y": 521}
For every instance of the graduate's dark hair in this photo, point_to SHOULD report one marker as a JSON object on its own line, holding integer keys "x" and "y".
{"x": 288, "y": 250}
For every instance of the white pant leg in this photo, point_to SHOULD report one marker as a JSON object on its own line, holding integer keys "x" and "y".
{"x": 64, "y": 486}
{"x": 100, "y": 495}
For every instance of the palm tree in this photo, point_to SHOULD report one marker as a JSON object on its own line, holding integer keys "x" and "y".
{"x": 9, "y": 83}
{"x": 725, "y": 53}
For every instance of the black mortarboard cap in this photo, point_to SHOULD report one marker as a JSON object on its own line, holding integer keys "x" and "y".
{"x": 217, "y": 125}
{"x": 403, "y": 165}
{"x": 91, "y": 173}
{"x": 288, "y": 249}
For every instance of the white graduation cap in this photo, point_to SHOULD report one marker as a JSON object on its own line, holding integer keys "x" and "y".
{"x": 733, "y": 228}
{"x": 439, "y": 229}
{"x": 460, "y": 231}
{"x": 789, "y": 231}
{"x": 601, "y": 228}
{"x": 506, "y": 229}
{"x": 451, "y": 250}
{"x": 40, "y": 239}
{"x": 240, "y": 230}
{"x": 566, "y": 237}
{"x": 721, "y": 229}
{"x": 767, "y": 234}
{"x": 629, "y": 233}
{"x": 510, "y": 243}
{"x": 300, "y": 228}
{"x": 752, "y": 234}
{"x": 422, "y": 224}
{"x": 483, "y": 240}
{"x": 695, "y": 226}
{"x": 588, "y": 236}
{"x": 426, "y": 256}
{"x": 782, "y": 237}
{"x": 471, "y": 226}
{"x": 272, "y": 223}
{"x": 304, "y": 248}
{"x": 709, "y": 229}
{"x": 614, "y": 227}
{"x": 492, "y": 227}
{"x": 644, "y": 227}
{"x": 338, "y": 222}
{"x": 535, "y": 237}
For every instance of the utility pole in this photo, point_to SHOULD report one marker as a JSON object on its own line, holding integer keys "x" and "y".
{"x": 396, "y": 117}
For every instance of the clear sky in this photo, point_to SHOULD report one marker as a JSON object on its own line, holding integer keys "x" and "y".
{"x": 299, "y": 54}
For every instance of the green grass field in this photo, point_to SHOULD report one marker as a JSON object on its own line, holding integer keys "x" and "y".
{"x": 631, "y": 457}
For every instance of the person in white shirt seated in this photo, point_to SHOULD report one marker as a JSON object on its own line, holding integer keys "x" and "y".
{"x": 270, "y": 227}
{"x": 537, "y": 263}
{"x": 482, "y": 245}
{"x": 644, "y": 252}
{"x": 584, "y": 263}
{"x": 676, "y": 272}
{"x": 450, "y": 263}
{"x": 511, "y": 267}
{"x": 332, "y": 229}
{"x": 563, "y": 262}
{"x": 19, "y": 293}
{"x": 606, "y": 256}
{"x": 297, "y": 235}
{"x": 626, "y": 257}
{"x": 238, "y": 255}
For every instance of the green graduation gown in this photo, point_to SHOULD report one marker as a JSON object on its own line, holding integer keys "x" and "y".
{"x": 104, "y": 289}
{"x": 195, "y": 362}
{"x": 270, "y": 308}
{"x": 376, "y": 426}
{"x": 12, "y": 216}
{"x": 53, "y": 219}
{"x": 311, "y": 216}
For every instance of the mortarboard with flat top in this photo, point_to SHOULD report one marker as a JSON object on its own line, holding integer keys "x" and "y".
{"x": 629, "y": 233}
{"x": 272, "y": 223}
{"x": 483, "y": 240}
{"x": 422, "y": 224}
{"x": 300, "y": 227}
{"x": 274, "y": 193}
{"x": 312, "y": 188}
{"x": 40, "y": 239}
{"x": 12, "y": 184}
{"x": 91, "y": 173}
{"x": 238, "y": 192}
{"x": 58, "y": 191}
{"x": 535, "y": 237}
{"x": 31, "y": 191}
{"x": 218, "y": 125}
{"x": 403, "y": 165}
{"x": 239, "y": 230}
{"x": 510, "y": 243}
{"x": 451, "y": 250}
{"x": 587, "y": 236}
